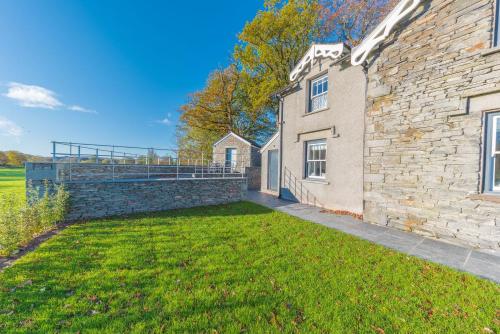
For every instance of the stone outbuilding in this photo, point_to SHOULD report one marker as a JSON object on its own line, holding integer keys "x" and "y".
{"x": 239, "y": 154}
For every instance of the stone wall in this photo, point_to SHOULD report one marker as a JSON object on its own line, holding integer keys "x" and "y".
{"x": 423, "y": 141}
{"x": 253, "y": 177}
{"x": 101, "y": 198}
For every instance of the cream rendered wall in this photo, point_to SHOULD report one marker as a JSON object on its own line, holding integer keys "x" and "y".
{"x": 343, "y": 187}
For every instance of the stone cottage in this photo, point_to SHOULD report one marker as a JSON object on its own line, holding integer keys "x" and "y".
{"x": 431, "y": 127}
{"x": 238, "y": 154}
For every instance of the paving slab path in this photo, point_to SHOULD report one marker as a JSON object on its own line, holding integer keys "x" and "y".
{"x": 477, "y": 262}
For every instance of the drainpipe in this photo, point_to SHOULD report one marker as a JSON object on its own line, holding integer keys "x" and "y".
{"x": 280, "y": 124}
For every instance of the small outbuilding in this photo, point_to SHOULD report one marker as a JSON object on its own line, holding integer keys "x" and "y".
{"x": 240, "y": 154}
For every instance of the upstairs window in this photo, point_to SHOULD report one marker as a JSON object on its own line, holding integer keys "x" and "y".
{"x": 496, "y": 38}
{"x": 492, "y": 161}
{"x": 316, "y": 159}
{"x": 319, "y": 92}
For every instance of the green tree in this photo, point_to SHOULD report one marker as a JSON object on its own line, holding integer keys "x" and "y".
{"x": 272, "y": 44}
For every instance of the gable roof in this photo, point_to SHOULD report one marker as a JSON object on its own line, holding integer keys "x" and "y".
{"x": 382, "y": 31}
{"x": 269, "y": 141}
{"x": 246, "y": 141}
{"x": 332, "y": 51}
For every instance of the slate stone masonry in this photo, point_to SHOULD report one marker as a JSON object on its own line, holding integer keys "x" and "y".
{"x": 423, "y": 141}
{"x": 102, "y": 198}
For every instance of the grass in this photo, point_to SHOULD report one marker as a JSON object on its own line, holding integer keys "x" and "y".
{"x": 231, "y": 269}
{"x": 12, "y": 181}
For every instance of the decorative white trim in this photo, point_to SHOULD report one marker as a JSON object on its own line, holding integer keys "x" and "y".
{"x": 269, "y": 142}
{"x": 333, "y": 51}
{"x": 382, "y": 31}
{"x": 235, "y": 135}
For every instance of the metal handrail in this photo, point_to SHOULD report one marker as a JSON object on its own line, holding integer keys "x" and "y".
{"x": 122, "y": 163}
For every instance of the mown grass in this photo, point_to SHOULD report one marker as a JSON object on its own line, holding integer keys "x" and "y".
{"x": 231, "y": 269}
{"x": 12, "y": 181}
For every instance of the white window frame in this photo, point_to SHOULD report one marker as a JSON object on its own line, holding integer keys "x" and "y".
{"x": 496, "y": 27}
{"x": 323, "y": 94}
{"x": 494, "y": 152}
{"x": 491, "y": 152}
{"x": 319, "y": 142}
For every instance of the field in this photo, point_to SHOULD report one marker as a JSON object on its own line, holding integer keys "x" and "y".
{"x": 12, "y": 181}
{"x": 232, "y": 269}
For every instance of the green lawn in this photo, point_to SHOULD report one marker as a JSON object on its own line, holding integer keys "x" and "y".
{"x": 12, "y": 181}
{"x": 232, "y": 269}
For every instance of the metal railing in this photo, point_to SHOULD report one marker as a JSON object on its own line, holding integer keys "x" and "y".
{"x": 298, "y": 190}
{"x": 81, "y": 161}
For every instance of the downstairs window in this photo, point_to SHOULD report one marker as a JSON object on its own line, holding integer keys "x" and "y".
{"x": 316, "y": 159}
{"x": 492, "y": 154}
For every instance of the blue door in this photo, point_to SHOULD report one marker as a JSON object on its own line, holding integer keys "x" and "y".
{"x": 231, "y": 158}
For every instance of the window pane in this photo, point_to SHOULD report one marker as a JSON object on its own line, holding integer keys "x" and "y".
{"x": 317, "y": 168}
{"x": 325, "y": 86}
{"x": 323, "y": 168}
{"x": 497, "y": 147}
{"x": 310, "y": 168}
{"x": 322, "y": 155}
{"x": 496, "y": 181}
{"x": 315, "y": 89}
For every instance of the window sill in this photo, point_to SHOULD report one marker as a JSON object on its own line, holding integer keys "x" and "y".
{"x": 317, "y": 181}
{"x": 315, "y": 112}
{"x": 490, "y": 51}
{"x": 489, "y": 197}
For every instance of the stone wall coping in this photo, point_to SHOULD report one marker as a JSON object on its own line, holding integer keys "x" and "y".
{"x": 150, "y": 180}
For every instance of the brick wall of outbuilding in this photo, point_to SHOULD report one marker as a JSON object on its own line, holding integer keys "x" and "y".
{"x": 422, "y": 150}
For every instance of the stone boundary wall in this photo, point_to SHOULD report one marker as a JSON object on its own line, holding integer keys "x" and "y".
{"x": 253, "y": 176}
{"x": 423, "y": 144}
{"x": 101, "y": 198}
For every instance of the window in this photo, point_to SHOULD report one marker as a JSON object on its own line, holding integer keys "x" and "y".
{"x": 492, "y": 163}
{"x": 316, "y": 159}
{"x": 319, "y": 92}
{"x": 496, "y": 37}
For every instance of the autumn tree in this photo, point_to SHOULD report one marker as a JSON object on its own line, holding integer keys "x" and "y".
{"x": 349, "y": 21}
{"x": 272, "y": 44}
{"x": 15, "y": 158}
{"x": 217, "y": 109}
{"x": 3, "y": 159}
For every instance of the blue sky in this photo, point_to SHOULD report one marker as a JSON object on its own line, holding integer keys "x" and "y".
{"x": 106, "y": 71}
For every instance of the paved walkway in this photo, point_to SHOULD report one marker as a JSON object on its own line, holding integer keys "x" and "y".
{"x": 462, "y": 258}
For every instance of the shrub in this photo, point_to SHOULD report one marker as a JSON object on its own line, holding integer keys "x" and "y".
{"x": 22, "y": 220}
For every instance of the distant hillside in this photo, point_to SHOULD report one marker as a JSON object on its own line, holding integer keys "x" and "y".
{"x": 15, "y": 158}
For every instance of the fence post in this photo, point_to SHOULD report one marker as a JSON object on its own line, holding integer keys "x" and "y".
{"x": 53, "y": 151}
{"x": 113, "y": 162}
{"x": 79, "y": 156}
{"x": 70, "y": 156}
{"x": 177, "y": 172}
{"x": 202, "y": 166}
{"x": 97, "y": 156}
